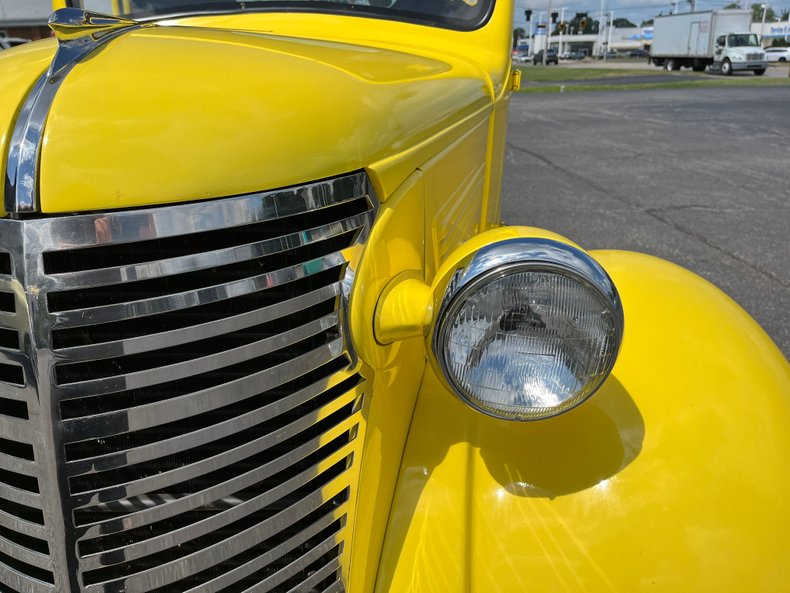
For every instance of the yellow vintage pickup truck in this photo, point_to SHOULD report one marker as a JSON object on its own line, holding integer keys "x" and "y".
{"x": 261, "y": 328}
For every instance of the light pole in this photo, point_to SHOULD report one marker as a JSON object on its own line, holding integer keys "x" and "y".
{"x": 540, "y": 20}
{"x": 762, "y": 24}
{"x": 562, "y": 20}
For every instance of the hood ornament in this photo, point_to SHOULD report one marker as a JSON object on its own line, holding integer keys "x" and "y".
{"x": 79, "y": 33}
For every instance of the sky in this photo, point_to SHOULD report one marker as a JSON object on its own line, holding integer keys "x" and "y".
{"x": 634, "y": 10}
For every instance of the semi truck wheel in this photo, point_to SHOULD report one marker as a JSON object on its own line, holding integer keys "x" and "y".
{"x": 759, "y": 72}
{"x": 672, "y": 64}
{"x": 726, "y": 67}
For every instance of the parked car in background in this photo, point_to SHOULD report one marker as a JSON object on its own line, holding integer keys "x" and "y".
{"x": 638, "y": 53}
{"x": 577, "y": 55}
{"x": 778, "y": 54}
{"x": 520, "y": 56}
{"x": 551, "y": 57}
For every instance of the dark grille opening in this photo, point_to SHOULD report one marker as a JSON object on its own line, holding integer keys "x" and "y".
{"x": 26, "y": 541}
{"x": 147, "y": 289}
{"x": 23, "y": 512}
{"x": 98, "y": 480}
{"x": 106, "y": 256}
{"x": 14, "y": 408}
{"x": 20, "y": 481}
{"x": 110, "y": 367}
{"x": 11, "y": 373}
{"x": 5, "y": 263}
{"x": 7, "y": 302}
{"x": 9, "y": 338}
{"x": 189, "y": 317}
{"x": 118, "y": 571}
{"x": 16, "y": 449}
{"x": 263, "y": 547}
{"x": 100, "y": 446}
{"x": 171, "y": 524}
{"x": 34, "y": 572}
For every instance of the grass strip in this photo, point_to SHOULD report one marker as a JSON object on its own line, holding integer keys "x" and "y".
{"x": 679, "y": 84}
{"x": 553, "y": 74}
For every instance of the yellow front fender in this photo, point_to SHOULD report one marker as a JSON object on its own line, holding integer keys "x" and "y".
{"x": 673, "y": 477}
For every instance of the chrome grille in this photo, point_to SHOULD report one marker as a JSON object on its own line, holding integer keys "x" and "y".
{"x": 754, "y": 56}
{"x": 199, "y": 421}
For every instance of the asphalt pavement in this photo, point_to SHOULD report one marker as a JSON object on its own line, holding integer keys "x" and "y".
{"x": 700, "y": 177}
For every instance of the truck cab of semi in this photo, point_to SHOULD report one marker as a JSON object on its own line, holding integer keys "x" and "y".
{"x": 739, "y": 51}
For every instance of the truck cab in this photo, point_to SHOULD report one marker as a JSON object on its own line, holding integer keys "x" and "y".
{"x": 737, "y": 52}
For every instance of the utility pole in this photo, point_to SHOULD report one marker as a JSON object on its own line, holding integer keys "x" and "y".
{"x": 600, "y": 28}
{"x": 609, "y": 34}
{"x": 548, "y": 33}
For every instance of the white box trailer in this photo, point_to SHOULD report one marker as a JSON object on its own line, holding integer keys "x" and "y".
{"x": 720, "y": 39}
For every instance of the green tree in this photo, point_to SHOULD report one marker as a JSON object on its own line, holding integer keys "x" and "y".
{"x": 623, "y": 23}
{"x": 591, "y": 26}
{"x": 647, "y": 23}
{"x": 518, "y": 33}
{"x": 757, "y": 13}
{"x": 732, "y": 6}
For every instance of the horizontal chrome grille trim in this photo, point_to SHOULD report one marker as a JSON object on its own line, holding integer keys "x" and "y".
{"x": 156, "y": 481}
{"x": 194, "y": 563}
{"x": 18, "y": 432}
{"x": 212, "y": 294}
{"x": 187, "y": 441}
{"x": 23, "y": 497}
{"x": 203, "y": 364}
{"x": 22, "y": 553}
{"x": 180, "y": 265}
{"x": 197, "y": 529}
{"x": 181, "y": 405}
{"x": 172, "y": 508}
{"x": 21, "y": 582}
{"x": 299, "y": 565}
{"x": 200, "y": 332}
{"x": 17, "y": 465}
{"x": 274, "y": 553}
{"x": 192, "y": 404}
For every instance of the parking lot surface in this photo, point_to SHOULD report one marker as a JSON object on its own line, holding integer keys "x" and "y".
{"x": 700, "y": 177}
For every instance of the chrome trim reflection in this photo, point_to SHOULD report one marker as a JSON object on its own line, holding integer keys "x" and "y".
{"x": 79, "y": 33}
{"x": 101, "y": 427}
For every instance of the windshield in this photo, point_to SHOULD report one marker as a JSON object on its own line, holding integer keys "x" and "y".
{"x": 742, "y": 40}
{"x": 457, "y": 14}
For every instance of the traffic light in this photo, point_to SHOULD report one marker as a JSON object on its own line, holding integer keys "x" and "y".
{"x": 562, "y": 27}
{"x": 582, "y": 24}
{"x": 554, "y": 15}
{"x": 528, "y": 15}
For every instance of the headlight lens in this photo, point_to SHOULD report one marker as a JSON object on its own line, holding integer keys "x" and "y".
{"x": 529, "y": 329}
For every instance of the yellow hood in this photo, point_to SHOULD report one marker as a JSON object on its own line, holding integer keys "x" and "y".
{"x": 171, "y": 114}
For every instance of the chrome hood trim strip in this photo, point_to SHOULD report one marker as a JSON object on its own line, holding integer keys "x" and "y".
{"x": 79, "y": 33}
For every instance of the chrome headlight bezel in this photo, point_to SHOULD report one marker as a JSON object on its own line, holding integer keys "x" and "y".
{"x": 513, "y": 256}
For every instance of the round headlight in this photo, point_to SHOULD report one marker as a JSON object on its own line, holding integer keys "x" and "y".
{"x": 528, "y": 329}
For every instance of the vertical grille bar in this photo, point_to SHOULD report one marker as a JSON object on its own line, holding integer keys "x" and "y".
{"x": 199, "y": 425}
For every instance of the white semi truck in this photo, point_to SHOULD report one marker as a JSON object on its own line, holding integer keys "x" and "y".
{"x": 718, "y": 39}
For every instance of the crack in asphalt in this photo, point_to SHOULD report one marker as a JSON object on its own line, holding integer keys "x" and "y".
{"x": 652, "y": 212}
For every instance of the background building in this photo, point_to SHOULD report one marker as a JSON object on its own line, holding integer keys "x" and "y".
{"x": 25, "y": 18}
